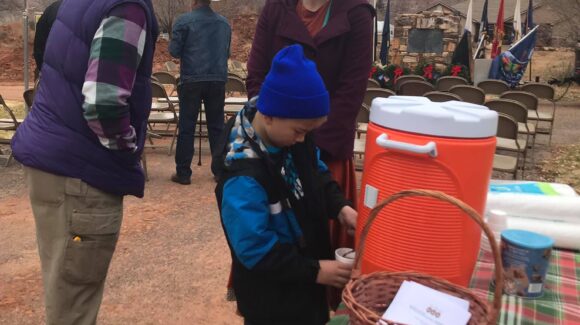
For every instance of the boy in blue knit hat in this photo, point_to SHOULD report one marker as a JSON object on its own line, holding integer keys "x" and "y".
{"x": 275, "y": 196}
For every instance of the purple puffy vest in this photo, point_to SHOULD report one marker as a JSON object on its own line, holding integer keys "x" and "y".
{"x": 55, "y": 136}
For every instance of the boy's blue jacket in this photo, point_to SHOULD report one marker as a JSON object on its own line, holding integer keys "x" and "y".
{"x": 275, "y": 204}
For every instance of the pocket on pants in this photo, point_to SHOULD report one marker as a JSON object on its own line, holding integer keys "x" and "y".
{"x": 90, "y": 246}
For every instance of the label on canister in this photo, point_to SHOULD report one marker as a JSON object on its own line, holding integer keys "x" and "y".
{"x": 525, "y": 257}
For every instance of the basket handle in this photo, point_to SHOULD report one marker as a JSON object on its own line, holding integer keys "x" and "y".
{"x": 462, "y": 206}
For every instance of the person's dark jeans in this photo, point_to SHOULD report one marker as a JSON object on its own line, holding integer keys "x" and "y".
{"x": 191, "y": 95}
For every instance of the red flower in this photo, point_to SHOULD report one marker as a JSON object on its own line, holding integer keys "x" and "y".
{"x": 455, "y": 70}
{"x": 398, "y": 73}
{"x": 428, "y": 72}
{"x": 373, "y": 70}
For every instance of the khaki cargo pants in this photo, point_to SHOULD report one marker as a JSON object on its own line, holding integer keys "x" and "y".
{"x": 77, "y": 227}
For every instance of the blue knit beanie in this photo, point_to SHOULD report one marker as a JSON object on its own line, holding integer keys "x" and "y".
{"x": 293, "y": 88}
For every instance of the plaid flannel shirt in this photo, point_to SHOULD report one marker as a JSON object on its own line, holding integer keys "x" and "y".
{"x": 115, "y": 55}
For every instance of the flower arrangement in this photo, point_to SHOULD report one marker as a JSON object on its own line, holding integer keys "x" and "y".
{"x": 377, "y": 72}
{"x": 392, "y": 73}
{"x": 428, "y": 71}
{"x": 457, "y": 70}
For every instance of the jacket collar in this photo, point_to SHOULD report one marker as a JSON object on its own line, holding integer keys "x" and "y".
{"x": 338, "y": 24}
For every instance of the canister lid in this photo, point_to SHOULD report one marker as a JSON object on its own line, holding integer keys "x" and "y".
{"x": 447, "y": 119}
{"x": 527, "y": 239}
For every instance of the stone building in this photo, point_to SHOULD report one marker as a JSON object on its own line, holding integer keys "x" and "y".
{"x": 429, "y": 35}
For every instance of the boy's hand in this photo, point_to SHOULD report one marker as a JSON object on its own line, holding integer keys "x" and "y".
{"x": 333, "y": 273}
{"x": 347, "y": 217}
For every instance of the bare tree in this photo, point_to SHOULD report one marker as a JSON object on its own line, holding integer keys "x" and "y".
{"x": 167, "y": 11}
{"x": 568, "y": 12}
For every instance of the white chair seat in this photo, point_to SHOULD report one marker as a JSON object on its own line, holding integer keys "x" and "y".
{"x": 7, "y": 126}
{"x": 362, "y": 127}
{"x": 173, "y": 99}
{"x": 233, "y": 109}
{"x": 532, "y": 114}
{"x": 545, "y": 116}
{"x": 156, "y": 117}
{"x": 505, "y": 163}
{"x": 359, "y": 146}
{"x": 530, "y": 130}
{"x": 11, "y": 121}
{"x": 542, "y": 116}
{"x": 157, "y": 106}
{"x": 235, "y": 100}
{"x": 510, "y": 144}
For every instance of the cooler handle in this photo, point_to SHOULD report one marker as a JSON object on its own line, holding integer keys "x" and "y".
{"x": 429, "y": 148}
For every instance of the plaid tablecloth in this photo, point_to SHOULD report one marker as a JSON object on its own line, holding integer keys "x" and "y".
{"x": 560, "y": 303}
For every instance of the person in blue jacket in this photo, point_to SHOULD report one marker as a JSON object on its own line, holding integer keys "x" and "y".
{"x": 275, "y": 197}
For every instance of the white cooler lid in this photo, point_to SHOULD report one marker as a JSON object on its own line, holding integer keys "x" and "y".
{"x": 447, "y": 119}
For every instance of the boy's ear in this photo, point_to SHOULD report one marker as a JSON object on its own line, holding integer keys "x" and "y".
{"x": 268, "y": 119}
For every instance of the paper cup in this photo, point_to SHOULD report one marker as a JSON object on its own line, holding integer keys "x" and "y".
{"x": 345, "y": 255}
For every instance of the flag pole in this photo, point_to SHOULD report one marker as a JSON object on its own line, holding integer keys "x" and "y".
{"x": 479, "y": 46}
{"x": 25, "y": 41}
{"x": 530, "y": 70}
{"x": 375, "y": 33}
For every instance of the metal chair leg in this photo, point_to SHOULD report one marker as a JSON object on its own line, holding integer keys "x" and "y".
{"x": 173, "y": 140}
{"x": 8, "y": 160}
{"x": 552, "y": 122}
{"x": 144, "y": 165}
{"x": 200, "y": 134}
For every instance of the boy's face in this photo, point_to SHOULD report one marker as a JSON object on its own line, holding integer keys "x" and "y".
{"x": 285, "y": 132}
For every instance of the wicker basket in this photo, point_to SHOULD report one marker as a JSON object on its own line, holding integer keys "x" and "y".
{"x": 368, "y": 296}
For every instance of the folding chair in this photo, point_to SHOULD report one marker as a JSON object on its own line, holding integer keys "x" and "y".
{"x": 446, "y": 82}
{"x": 166, "y": 78}
{"x": 372, "y": 93}
{"x": 530, "y": 102}
{"x": 470, "y": 94}
{"x": 507, "y": 128}
{"x": 235, "y": 84}
{"x": 167, "y": 117}
{"x": 235, "y": 74}
{"x": 359, "y": 149}
{"x": 493, "y": 87}
{"x": 238, "y": 66}
{"x": 28, "y": 96}
{"x": 440, "y": 96}
{"x": 372, "y": 83}
{"x": 362, "y": 120}
{"x": 545, "y": 92}
{"x": 415, "y": 88}
{"x": 171, "y": 67}
{"x": 518, "y": 113}
{"x": 402, "y": 79}
{"x": 10, "y": 124}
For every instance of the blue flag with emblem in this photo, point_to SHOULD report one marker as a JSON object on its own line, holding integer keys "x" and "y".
{"x": 529, "y": 18}
{"x": 510, "y": 65}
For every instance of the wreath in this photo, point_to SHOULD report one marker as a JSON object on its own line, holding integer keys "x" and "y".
{"x": 392, "y": 73}
{"x": 427, "y": 70}
{"x": 377, "y": 72}
{"x": 457, "y": 70}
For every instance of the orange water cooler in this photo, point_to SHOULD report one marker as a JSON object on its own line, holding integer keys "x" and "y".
{"x": 413, "y": 143}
